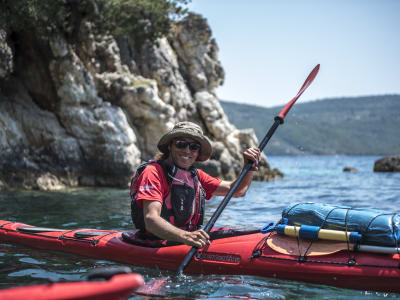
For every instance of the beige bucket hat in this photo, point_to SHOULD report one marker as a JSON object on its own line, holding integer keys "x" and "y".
{"x": 190, "y": 130}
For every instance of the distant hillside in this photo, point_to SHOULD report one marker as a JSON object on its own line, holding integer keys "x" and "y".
{"x": 352, "y": 126}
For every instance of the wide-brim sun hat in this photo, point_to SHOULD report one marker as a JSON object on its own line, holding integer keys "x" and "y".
{"x": 189, "y": 130}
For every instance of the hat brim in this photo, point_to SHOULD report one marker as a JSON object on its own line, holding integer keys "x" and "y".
{"x": 205, "y": 150}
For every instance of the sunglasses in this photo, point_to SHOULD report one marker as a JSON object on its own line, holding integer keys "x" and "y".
{"x": 193, "y": 146}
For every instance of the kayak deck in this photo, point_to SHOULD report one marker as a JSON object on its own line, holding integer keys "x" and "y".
{"x": 238, "y": 255}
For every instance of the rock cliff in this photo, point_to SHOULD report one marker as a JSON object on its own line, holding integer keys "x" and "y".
{"x": 88, "y": 113}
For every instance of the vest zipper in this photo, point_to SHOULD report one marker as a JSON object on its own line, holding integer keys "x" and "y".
{"x": 196, "y": 212}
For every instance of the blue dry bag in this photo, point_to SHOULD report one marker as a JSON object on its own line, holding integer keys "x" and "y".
{"x": 377, "y": 227}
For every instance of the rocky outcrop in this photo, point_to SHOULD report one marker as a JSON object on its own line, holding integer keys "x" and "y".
{"x": 6, "y": 54}
{"x": 350, "y": 170}
{"x": 88, "y": 114}
{"x": 387, "y": 164}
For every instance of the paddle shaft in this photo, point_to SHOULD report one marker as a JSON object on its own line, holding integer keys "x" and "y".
{"x": 239, "y": 180}
{"x": 229, "y": 195}
{"x": 248, "y": 166}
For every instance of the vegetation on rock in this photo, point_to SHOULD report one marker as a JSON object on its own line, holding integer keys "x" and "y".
{"x": 142, "y": 19}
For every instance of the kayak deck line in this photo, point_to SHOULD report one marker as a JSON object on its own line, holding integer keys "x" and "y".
{"x": 246, "y": 254}
{"x": 79, "y": 235}
{"x": 37, "y": 229}
{"x": 86, "y": 234}
{"x": 306, "y": 259}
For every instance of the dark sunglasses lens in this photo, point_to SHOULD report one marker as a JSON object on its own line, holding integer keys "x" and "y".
{"x": 194, "y": 146}
{"x": 181, "y": 144}
{"x": 184, "y": 144}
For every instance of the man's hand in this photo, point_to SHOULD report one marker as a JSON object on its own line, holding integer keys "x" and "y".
{"x": 198, "y": 238}
{"x": 252, "y": 154}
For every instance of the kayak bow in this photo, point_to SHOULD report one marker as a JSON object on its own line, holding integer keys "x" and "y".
{"x": 119, "y": 286}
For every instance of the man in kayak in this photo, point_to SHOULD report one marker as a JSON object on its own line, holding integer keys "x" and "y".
{"x": 168, "y": 194}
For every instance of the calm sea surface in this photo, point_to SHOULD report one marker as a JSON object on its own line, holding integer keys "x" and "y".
{"x": 311, "y": 178}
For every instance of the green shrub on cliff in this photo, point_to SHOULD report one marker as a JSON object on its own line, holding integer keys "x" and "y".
{"x": 140, "y": 19}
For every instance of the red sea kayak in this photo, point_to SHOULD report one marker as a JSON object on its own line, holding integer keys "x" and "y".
{"x": 245, "y": 254}
{"x": 117, "y": 287}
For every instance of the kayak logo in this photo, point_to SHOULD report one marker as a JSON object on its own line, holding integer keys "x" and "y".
{"x": 222, "y": 257}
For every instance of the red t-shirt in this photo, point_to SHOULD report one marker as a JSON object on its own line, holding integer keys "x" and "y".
{"x": 152, "y": 184}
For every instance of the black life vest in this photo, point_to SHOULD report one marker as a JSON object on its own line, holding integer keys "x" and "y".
{"x": 183, "y": 206}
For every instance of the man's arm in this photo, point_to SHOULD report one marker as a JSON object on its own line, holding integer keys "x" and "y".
{"x": 163, "y": 229}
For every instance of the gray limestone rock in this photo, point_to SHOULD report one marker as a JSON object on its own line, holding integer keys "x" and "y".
{"x": 6, "y": 53}
{"x": 88, "y": 113}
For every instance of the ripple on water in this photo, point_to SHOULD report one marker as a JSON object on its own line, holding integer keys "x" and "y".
{"x": 32, "y": 261}
{"x": 44, "y": 274}
{"x": 70, "y": 224}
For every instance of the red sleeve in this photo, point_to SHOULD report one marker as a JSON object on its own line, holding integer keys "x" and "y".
{"x": 151, "y": 184}
{"x": 208, "y": 183}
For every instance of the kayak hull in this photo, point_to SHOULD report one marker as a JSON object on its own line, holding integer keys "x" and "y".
{"x": 118, "y": 287}
{"x": 238, "y": 255}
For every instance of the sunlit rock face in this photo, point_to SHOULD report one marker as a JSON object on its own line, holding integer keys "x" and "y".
{"x": 88, "y": 113}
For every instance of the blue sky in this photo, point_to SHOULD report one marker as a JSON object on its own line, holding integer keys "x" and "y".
{"x": 267, "y": 48}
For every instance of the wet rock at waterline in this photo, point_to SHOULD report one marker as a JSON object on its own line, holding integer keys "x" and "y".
{"x": 387, "y": 164}
{"x": 349, "y": 169}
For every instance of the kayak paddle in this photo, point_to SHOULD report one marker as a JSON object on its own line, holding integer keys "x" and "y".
{"x": 278, "y": 120}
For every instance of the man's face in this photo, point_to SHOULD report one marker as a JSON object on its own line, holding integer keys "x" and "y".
{"x": 184, "y": 157}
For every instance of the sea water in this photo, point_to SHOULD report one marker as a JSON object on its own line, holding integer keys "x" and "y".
{"x": 307, "y": 179}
